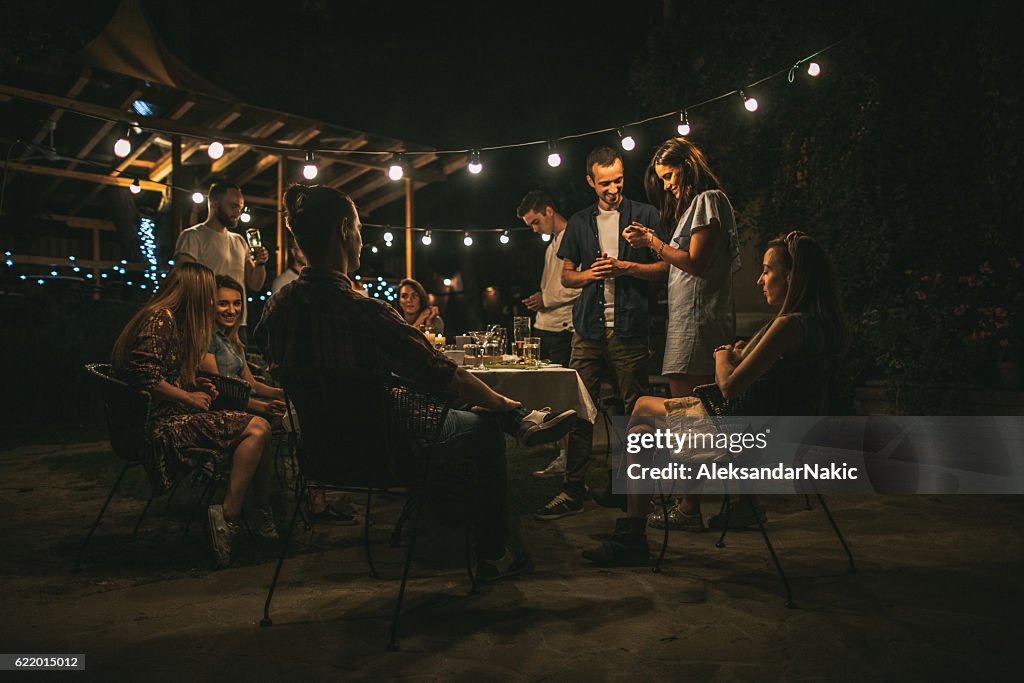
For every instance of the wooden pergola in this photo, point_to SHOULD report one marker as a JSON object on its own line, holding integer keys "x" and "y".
{"x": 127, "y": 69}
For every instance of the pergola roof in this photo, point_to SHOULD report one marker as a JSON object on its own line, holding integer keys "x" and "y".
{"x": 127, "y": 62}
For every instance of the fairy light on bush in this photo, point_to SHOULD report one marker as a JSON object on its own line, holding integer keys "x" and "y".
{"x": 147, "y": 246}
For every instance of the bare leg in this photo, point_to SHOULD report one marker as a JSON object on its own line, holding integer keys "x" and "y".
{"x": 683, "y": 385}
{"x": 646, "y": 406}
{"x": 254, "y": 443}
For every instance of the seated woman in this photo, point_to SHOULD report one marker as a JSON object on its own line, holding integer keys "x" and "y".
{"x": 414, "y": 305}
{"x": 159, "y": 351}
{"x": 227, "y": 357}
{"x": 797, "y": 277}
{"x": 227, "y": 353}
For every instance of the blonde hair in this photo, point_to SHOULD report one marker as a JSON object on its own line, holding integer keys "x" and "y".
{"x": 187, "y": 294}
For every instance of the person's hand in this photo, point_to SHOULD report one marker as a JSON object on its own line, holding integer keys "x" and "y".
{"x": 207, "y": 386}
{"x": 199, "y": 400}
{"x": 638, "y": 235}
{"x": 260, "y": 255}
{"x": 608, "y": 267}
{"x": 729, "y": 352}
{"x": 426, "y": 317}
{"x": 276, "y": 407}
{"x": 739, "y": 346}
{"x": 534, "y": 302}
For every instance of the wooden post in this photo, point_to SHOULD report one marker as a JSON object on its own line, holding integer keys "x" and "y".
{"x": 177, "y": 200}
{"x": 409, "y": 218}
{"x": 282, "y": 243}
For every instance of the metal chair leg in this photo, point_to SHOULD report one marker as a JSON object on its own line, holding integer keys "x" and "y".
{"x": 366, "y": 534}
{"x": 726, "y": 510}
{"x": 138, "y": 523}
{"x": 393, "y": 642}
{"x": 807, "y": 502}
{"x": 664, "y": 535}
{"x": 266, "y": 620}
{"x": 205, "y": 495}
{"x": 474, "y": 588}
{"x": 396, "y": 533}
{"x": 92, "y": 530}
{"x": 771, "y": 551}
{"x": 852, "y": 569}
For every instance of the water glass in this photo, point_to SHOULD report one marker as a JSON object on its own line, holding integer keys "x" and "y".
{"x": 473, "y": 356}
{"x": 531, "y": 349}
{"x": 520, "y": 328}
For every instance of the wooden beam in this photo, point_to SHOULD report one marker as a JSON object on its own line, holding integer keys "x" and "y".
{"x": 80, "y": 222}
{"x": 163, "y": 166}
{"x": 410, "y": 217}
{"x": 282, "y": 249}
{"x": 449, "y": 166}
{"x": 97, "y": 178}
{"x": 231, "y": 156}
{"x": 418, "y": 162}
{"x": 268, "y": 160}
{"x": 56, "y": 114}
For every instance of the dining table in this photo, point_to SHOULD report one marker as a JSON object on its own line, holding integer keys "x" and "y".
{"x": 547, "y": 386}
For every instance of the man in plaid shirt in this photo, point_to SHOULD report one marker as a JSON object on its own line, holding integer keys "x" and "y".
{"x": 321, "y": 321}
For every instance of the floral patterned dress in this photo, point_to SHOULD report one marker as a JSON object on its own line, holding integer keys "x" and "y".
{"x": 174, "y": 427}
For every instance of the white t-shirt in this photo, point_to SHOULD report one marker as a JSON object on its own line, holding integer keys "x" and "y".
{"x": 557, "y": 313}
{"x": 287, "y": 277}
{"x": 223, "y": 252}
{"x": 608, "y": 238}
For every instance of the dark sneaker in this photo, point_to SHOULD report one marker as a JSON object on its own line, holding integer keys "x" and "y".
{"x": 331, "y": 516}
{"x": 562, "y": 505}
{"x": 265, "y": 526}
{"x": 221, "y": 533}
{"x": 542, "y": 426}
{"x": 627, "y": 547}
{"x": 511, "y": 564}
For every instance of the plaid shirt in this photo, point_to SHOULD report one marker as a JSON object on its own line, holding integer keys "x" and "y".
{"x": 318, "y": 321}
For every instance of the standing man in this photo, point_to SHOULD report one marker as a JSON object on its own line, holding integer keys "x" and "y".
{"x": 553, "y": 303}
{"x": 610, "y": 318}
{"x": 213, "y": 244}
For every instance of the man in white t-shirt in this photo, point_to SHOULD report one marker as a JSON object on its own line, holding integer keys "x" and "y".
{"x": 553, "y": 303}
{"x": 213, "y": 244}
{"x": 291, "y": 273}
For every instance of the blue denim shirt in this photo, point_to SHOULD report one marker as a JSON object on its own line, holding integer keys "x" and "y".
{"x": 581, "y": 246}
{"x": 230, "y": 362}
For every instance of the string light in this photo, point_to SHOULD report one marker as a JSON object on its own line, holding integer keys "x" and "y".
{"x": 546, "y": 237}
{"x": 447, "y": 282}
{"x": 309, "y": 171}
{"x": 388, "y": 237}
{"x": 749, "y": 102}
{"x": 554, "y": 158}
{"x": 475, "y": 166}
{"x": 684, "y": 124}
{"x": 246, "y": 216}
{"x": 426, "y": 239}
{"x": 215, "y": 150}
{"x": 813, "y": 70}
{"x": 468, "y": 240}
{"x": 123, "y": 146}
{"x": 504, "y": 237}
{"x": 197, "y": 197}
{"x": 374, "y": 249}
{"x": 395, "y": 170}
{"x": 135, "y": 187}
{"x": 627, "y": 141}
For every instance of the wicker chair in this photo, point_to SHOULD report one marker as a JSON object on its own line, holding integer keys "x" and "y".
{"x": 127, "y": 411}
{"x": 798, "y": 387}
{"x": 365, "y": 432}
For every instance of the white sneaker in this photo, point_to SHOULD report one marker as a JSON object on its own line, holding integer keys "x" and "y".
{"x": 555, "y": 469}
{"x": 542, "y": 426}
{"x": 221, "y": 533}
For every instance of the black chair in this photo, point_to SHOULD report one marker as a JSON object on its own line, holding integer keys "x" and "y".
{"x": 366, "y": 432}
{"x": 127, "y": 411}
{"x": 796, "y": 387}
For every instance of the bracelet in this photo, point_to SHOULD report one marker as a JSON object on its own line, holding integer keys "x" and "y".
{"x": 723, "y": 347}
{"x": 661, "y": 249}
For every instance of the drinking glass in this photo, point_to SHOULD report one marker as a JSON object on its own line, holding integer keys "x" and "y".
{"x": 473, "y": 357}
{"x": 252, "y": 238}
{"x": 531, "y": 347}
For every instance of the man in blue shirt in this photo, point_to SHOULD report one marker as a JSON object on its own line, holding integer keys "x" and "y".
{"x": 610, "y": 317}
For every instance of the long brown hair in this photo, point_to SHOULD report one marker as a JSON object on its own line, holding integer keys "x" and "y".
{"x": 813, "y": 287}
{"x": 225, "y": 282}
{"x": 695, "y": 176}
{"x": 421, "y": 292}
{"x": 188, "y": 293}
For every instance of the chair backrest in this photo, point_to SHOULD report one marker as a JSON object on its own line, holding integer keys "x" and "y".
{"x": 350, "y": 431}
{"x": 127, "y": 411}
{"x": 232, "y": 393}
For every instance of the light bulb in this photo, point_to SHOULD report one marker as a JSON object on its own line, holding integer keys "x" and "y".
{"x": 197, "y": 197}
{"x": 554, "y": 160}
{"x": 135, "y": 187}
{"x": 246, "y": 216}
{"x": 467, "y": 240}
{"x": 749, "y": 102}
{"x": 813, "y": 70}
{"x": 388, "y": 237}
{"x": 396, "y": 170}
{"x": 309, "y": 171}
{"x": 546, "y": 237}
{"x": 215, "y": 150}
{"x": 122, "y": 147}
{"x": 628, "y": 143}
{"x": 504, "y": 237}
{"x": 474, "y": 163}
{"x": 684, "y": 124}
{"x": 374, "y": 249}
{"x": 426, "y": 239}
{"x": 447, "y": 282}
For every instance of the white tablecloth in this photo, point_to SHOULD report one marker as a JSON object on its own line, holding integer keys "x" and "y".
{"x": 560, "y": 388}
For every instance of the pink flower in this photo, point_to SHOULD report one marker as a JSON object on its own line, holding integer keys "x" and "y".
{"x": 921, "y": 296}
